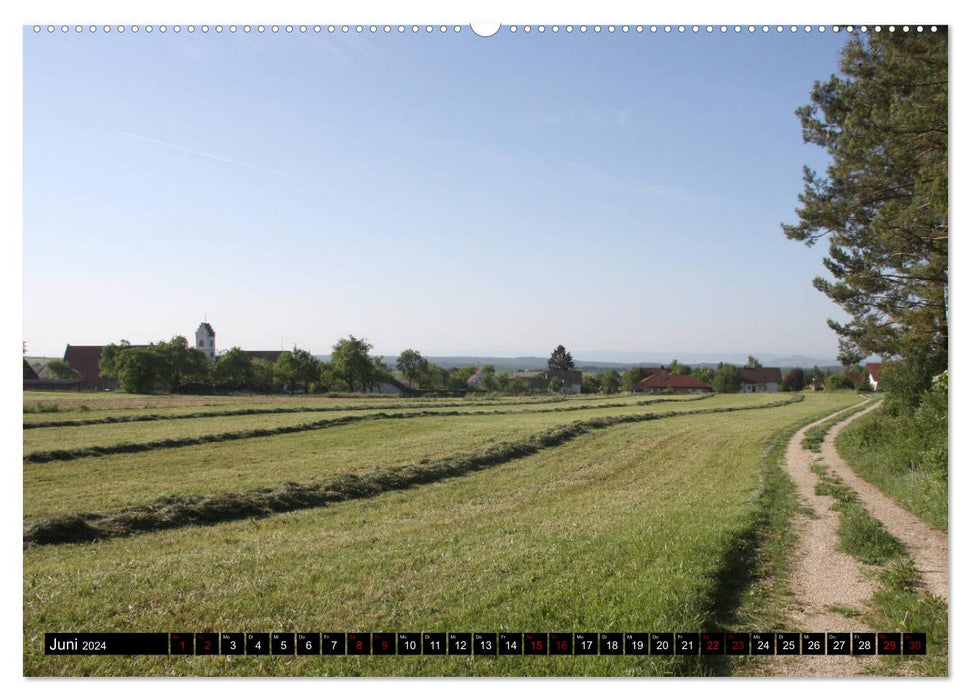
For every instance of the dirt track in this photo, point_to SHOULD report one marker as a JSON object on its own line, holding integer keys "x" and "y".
{"x": 827, "y": 582}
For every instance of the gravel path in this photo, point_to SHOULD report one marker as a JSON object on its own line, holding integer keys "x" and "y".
{"x": 827, "y": 582}
{"x": 927, "y": 546}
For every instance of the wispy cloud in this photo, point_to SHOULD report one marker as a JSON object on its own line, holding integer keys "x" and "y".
{"x": 213, "y": 156}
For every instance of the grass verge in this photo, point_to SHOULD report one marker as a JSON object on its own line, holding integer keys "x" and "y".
{"x": 894, "y": 454}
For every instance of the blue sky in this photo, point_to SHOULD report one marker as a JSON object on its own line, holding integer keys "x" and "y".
{"x": 451, "y": 193}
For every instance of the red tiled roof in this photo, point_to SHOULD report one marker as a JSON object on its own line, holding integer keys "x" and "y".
{"x": 873, "y": 369}
{"x": 760, "y": 375}
{"x": 856, "y": 377}
{"x": 662, "y": 379}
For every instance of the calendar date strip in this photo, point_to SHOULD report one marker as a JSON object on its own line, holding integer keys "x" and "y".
{"x": 485, "y": 643}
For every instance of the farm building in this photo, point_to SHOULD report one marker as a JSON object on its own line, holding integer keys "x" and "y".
{"x": 36, "y": 377}
{"x": 571, "y": 379}
{"x": 660, "y": 380}
{"x": 86, "y": 359}
{"x": 758, "y": 379}
{"x": 872, "y": 372}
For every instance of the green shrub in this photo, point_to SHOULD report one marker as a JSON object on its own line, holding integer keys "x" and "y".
{"x": 905, "y": 452}
{"x": 834, "y": 382}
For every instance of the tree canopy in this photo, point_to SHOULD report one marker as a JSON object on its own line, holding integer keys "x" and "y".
{"x": 677, "y": 368}
{"x": 560, "y": 359}
{"x": 631, "y": 378}
{"x": 727, "y": 379}
{"x": 412, "y": 365}
{"x": 610, "y": 381}
{"x": 883, "y": 202}
{"x": 234, "y": 368}
{"x": 59, "y": 369}
{"x": 296, "y": 367}
{"x": 165, "y": 364}
{"x": 351, "y": 365}
{"x": 795, "y": 380}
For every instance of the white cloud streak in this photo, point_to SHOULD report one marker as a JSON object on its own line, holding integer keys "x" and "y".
{"x": 213, "y": 156}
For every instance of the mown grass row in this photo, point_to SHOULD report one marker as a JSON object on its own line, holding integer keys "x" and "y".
{"x": 62, "y": 455}
{"x": 118, "y": 481}
{"x": 150, "y": 417}
{"x": 105, "y": 435}
{"x": 278, "y": 409}
{"x": 188, "y": 510}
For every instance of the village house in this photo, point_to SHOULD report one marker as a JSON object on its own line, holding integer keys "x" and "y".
{"x": 36, "y": 377}
{"x": 759, "y": 379}
{"x": 660, "y": 380}
{"x": 571, "y": 379}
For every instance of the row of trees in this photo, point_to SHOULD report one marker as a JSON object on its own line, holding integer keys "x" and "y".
{"x": 174, "y": 365}
{"x": 162, "y": 365}
{"x": 726, "y": 378}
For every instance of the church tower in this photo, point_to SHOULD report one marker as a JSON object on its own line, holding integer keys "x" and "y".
{"x": 206, "y": 340}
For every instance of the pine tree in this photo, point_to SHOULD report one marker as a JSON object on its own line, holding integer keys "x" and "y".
{"x": 560, "y": 359}
{"x": 883, "y": 202}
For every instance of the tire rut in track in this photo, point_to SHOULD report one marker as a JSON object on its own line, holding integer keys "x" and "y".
{"x": 825, "y": 580}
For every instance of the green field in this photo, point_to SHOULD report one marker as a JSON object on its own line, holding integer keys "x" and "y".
{"x": 628, "y": 525}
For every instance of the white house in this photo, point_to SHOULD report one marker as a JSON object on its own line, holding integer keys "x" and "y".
{"x": 758, "y": 379}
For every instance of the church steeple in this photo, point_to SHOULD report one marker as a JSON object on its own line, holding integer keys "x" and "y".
{"x": 206, "y": 340}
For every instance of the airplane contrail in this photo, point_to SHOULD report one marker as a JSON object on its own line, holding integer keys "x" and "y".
{"x": 213, "y": 156}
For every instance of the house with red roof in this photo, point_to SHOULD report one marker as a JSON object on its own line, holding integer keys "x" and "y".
{"x": 872, "y": 371}
{"x": 661, "y": 380}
